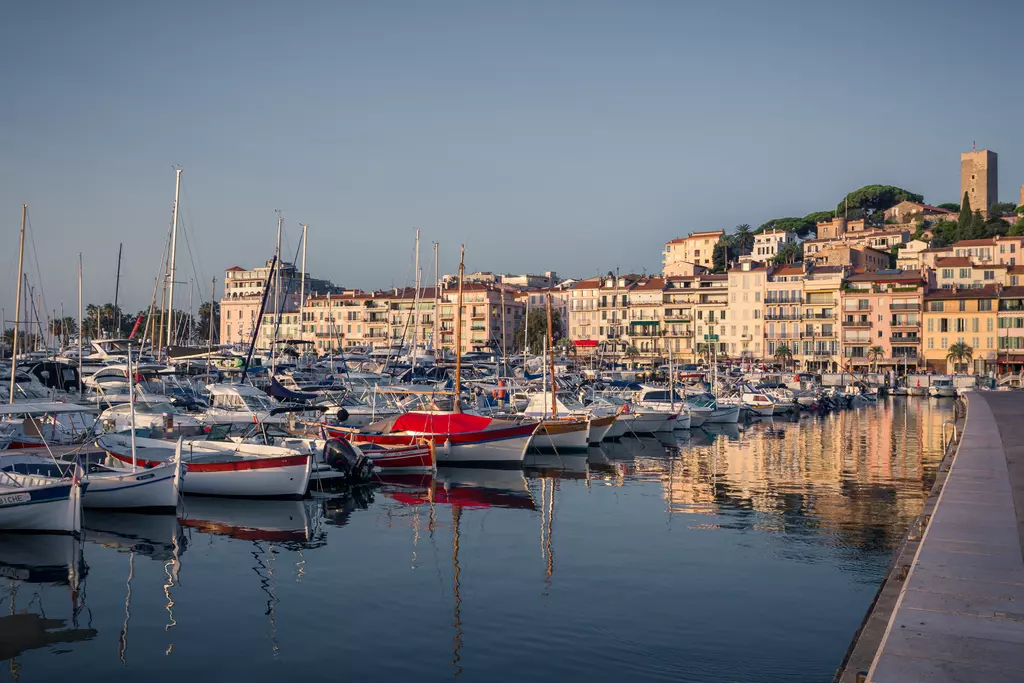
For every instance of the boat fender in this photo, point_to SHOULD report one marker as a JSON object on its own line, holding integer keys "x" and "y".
{"x": 342, "y": 415}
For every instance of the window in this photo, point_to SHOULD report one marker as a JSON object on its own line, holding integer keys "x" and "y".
{"x": 943, "y": 324}
{"x": 990, "y": 275}
{"x": 935, "y": 306}
{"x": 963, "y": 305}
{"x": 990, "y": 344}
{"x": 945, "y": 343}
{"x": 985, "y": 305}
{"x": 961, "y": 325}
{"x": 974, "y": 324}
{"x": 931, "y": 342}
{"x": 947, "y": 273}
{"x": 931, "y": 324}
{"x": 229, "y": 330}
{"x": 965, "y": 273}
{"x": 988, "y": 326}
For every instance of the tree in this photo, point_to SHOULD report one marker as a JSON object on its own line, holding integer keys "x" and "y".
{"x": 871, "y": 200}
{"x": 1017, "y": 229}
{"x": 960, "y": 354}
{"x": 204, "y": 319}
{"x": 704, "y": 351}
{"x": 1002, "y": 208}
{"x": 949, "y": 206}
{"x": 945, "y": 233}
{"x": 819, "y": 216}
{"x": 874, "y": 354}
{"x": 966, "y": 216}
{"x": 537, "y": 321}
{"x": 64, "y": 328}
{"x": 789, "y": 253}
{"x": 720, "y": 257}
{"x": 631, "y": 352}
{"x": 800, "y": 226}
{"x": 783, "y": 355}
{"x": 743, "y": 239}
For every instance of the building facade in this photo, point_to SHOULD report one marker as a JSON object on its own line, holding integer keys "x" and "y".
{"x": 881, "y": 320}
{"x": 698, "y": 249}
{"x": 960, "y": 315}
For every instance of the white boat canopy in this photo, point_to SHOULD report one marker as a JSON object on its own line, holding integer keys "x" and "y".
{"x": 44, "y": 408}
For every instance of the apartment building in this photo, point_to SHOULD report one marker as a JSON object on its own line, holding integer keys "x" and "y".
{"x": 909, "y": 256}
{"x": 959, "y": 272}
{"x": 243, "y": 295}
{"x": 1010, "y": 358}
{"x": 680, "y": 299}
{"x": 819, "y": 349}
{"x": 767, "y": 245}
{"x": 882, "y": 311}
{"x": 646, "y": 312}
{"x": 598, "y": 310}
{"x": 783, "y": 303}
{"x": 994, "y": 250}
{"x": 743, "y": 333}
{"x": 711, "y": 307}
{"x": 961, "y": 315}
{"x": 697, "y": 249}
{"x": 491, "y": 316}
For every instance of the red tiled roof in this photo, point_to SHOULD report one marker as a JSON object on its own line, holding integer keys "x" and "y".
{"x": 988, "y": 242}
{"x": 1012, "y": 292}
{"x": 887, "y": 276}
{"x": 954, "y": 262}
{"x": 986, "y": 292}
{"x": 654, "y": 284}
{"x": 235, "y": 268}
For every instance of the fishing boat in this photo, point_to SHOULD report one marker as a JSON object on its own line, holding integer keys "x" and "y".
{"x": 36, "y": 503}
{"x": 760, "y": 405}
{"x": 221, "y": 468}
{"x": 238, "y": 405}
{"x": 31, "y": 424}
{"x": 458, "y": 438}
{"x": 668, "y": 402}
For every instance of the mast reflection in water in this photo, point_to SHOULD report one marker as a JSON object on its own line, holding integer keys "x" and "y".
{"x": 743, "y": 553}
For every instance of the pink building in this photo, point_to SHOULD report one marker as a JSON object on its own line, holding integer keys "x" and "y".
{"x": 881, "y": 319}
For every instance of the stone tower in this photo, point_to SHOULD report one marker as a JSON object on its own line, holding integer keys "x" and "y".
{"x": 979, "y": 178}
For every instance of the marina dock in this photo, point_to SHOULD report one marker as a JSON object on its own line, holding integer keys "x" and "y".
{"x": 959, "y": 615}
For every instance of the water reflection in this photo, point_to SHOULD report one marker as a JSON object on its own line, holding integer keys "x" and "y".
{"x": 787, "y": 522}
{"x": 29, "y": 563}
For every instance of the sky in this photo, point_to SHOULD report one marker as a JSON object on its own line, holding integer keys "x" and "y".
{"x": 572, "y": 136}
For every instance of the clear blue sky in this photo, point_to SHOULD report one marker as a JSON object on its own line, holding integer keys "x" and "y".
{"x": 574, "y": 136}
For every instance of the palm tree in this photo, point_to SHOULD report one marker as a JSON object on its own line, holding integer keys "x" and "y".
{"x": 744, "y": 238}
{"x": 874, "y": 353}
{"x": 704, "y": 351}
{"x": 960, "y": 353}
{"x": 783, "y": 355}
{"x": 631, "y": 352}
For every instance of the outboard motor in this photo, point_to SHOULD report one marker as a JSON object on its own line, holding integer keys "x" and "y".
{"x": 341, "y": 415}
{"x": 340, "y": 456}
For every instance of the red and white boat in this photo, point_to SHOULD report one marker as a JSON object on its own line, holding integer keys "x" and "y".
{"x": 458, "y": 438}
{"x": 416, "y": 458}
{"x": 222, "y": 468}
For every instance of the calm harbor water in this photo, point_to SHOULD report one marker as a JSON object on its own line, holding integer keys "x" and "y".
{"x": 746, "y": 554}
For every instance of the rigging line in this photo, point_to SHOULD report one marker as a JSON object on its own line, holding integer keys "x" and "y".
{"x": 287, "y": 291}
{"x": 35, "y": 257}
{"x": 201, "y": 275}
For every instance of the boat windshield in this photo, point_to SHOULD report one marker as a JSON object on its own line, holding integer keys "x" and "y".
{"x": 155, "y": 408}
{"x": 570, "y": 402}
{"x": 257, "y": 403}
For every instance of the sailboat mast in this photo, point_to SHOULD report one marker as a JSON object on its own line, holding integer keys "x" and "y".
{"x": 504, "y": 348}
{"x": 671, "y": 381}
{"x": 117, "y": 285}
{"x": 437, "y": 306}
{"x": 188, "y": 335}
{"x": 277, "y": 294}
{"x": 302, "y": 276}
{"x": 458, "y": 335}
{"x": 416, "y": 305}
{"x": 174, "y": 243}
{"x": 209, "y": 324}
{"x": 17, "y": 302}
{"x": 81, "y": 331}
{"x": 551, "y": 350}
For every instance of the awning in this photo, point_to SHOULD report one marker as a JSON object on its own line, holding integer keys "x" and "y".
{"x": 585, "y": 343}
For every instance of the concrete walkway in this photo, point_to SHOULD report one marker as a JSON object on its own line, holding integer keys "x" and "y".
{"x": 960, "y": 616}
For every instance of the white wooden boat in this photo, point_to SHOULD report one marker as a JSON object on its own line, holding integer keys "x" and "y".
{"x": 941, "y": 388}
{"x": 34, "y": 503}
{"x": 221, "y": 468}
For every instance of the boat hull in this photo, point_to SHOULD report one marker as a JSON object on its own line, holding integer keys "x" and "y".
{"x": 724, "y": 415}
{"x": 562, "y": 436}
{"x": 270, "y": 477}
{"x": 653, "y": 422}
{"x": 50, "y": 507}
{"x": 401, "y": 458}
{"x": 155, "y": 488}
{"x": 600, "y": 427}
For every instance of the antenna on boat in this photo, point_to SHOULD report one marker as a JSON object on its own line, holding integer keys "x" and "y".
{"x": 17, "y": 302}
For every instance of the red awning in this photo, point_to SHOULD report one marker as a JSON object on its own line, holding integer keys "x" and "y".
{"x": 585, "y": 342}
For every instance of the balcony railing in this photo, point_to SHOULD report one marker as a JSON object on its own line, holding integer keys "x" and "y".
{"x": 782, "y": 316}
{"x": 904, "y": 340}
{"x": 905, "y": 307}
{"x": 857, "y": 323}
{"x": 857, "y": 309}
{"x": 819, "y": 316}
{"x": 914, "y": 324}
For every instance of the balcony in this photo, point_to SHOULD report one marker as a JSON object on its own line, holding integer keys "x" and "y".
{"x": 771, "y": 301}
{"x": 855, "y": 324}
{"x": 904, "y": 340}
{"x": 781, "y": 335}
{"x": 819, "y": 316}
{"x": 907, "y": 325}
{"x": 905, "y": 307}
{"x": 857, "y": 309}
{"x": 858, "y": 341}
{"x": 782, "y": 316}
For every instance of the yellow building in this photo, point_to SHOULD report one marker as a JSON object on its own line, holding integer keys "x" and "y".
{"x": 819, "y": 342}
{"x": 961, "y": 315}
{"x": 683, "y": 253}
